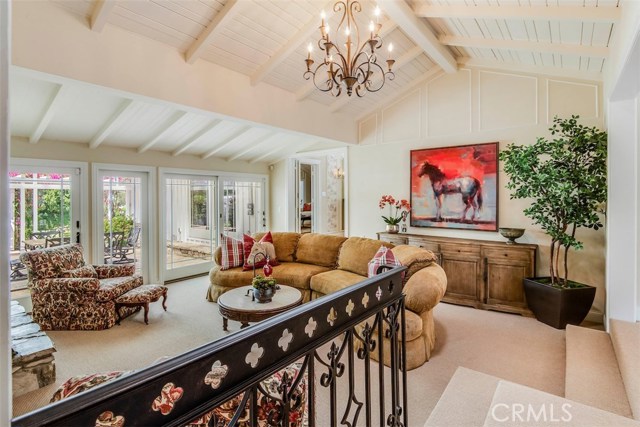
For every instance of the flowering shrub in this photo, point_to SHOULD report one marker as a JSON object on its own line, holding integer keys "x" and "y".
{"x": 402, "y": 208}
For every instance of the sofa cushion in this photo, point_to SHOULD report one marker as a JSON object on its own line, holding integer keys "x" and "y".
{"x": 356, "y": 252}
{"x": 334, "y": 280}
{"x": 414, "y": 258}
{"x": 232, "y": 278}
{"x": 321, "y": 249}
{"x": 285, "y": 244}
{"x": 296, "y": 274}
{"x": 112, "y": 288}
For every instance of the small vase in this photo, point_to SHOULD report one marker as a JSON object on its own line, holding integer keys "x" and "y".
{"x": 263, "y": 295}
{"x": 393, "y": 228}
{"x": 267, "y": 269}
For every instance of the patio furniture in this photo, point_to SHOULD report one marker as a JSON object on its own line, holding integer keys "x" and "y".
{"x": 68, "y": 294}
{"x": 127, "y": 247}
{"x": 16, "y": 270}
{"x": 141, "y": 297}
{"x": 112, "y": 244}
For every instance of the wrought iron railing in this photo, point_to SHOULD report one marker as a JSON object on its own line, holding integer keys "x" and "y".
{"x": 328, "y": 339}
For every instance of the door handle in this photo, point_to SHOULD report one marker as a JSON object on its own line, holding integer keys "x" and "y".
{"x": 78, "y": 237}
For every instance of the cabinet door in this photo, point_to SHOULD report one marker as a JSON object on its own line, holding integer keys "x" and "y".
{"x": 504, "y": 271}
{"x": 464, "y": 277}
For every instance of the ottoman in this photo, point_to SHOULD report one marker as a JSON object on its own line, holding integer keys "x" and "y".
{"x": 141, "y": 297}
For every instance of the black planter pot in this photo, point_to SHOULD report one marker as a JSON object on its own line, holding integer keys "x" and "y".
{"x": 558, "y": 307}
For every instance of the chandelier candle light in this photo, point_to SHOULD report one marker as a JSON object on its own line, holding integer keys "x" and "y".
{"x": 356, "y": 66}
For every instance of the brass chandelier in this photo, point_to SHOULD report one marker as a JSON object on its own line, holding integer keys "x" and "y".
{"x": 355, "y": 67}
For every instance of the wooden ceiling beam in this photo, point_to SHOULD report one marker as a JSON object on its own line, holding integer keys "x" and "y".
{"x": 552, "y": 13}
{"x": 387, "y": 28}
{"x": 227, "y": 13}
{"x": 175, "y": 121}
{"x": 100, "y": 14}
{"x": 288, "y": 48}
{"x": 420, "y": 33}
{"x": 226, "y": 142}
{"x": 408, "y": 56}
{"x": 51, "y": 110}
{"x": 194, "y": 139}
{"x": 123, "y": 113}
{"x": 527, "y": 46}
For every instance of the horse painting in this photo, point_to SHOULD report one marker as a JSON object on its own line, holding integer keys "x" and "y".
{"x": 468, "y": 187}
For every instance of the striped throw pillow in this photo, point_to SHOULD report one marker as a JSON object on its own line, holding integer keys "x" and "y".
{"x": 232, "y": 252}
{"x": 384, "y": 256}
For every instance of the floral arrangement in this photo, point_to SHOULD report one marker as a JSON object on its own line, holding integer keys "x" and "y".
{"x": 402, "y": 208}
{"x": 261, "y": 282}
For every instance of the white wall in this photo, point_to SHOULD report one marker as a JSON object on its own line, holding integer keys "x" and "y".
{"x": 278, "y": 191}
{"x": 622, "y": 85}
{"x": 472, "y": 106}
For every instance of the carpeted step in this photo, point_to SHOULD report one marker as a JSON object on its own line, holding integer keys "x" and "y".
{"x": 592, "y": 374}
{"x": 465, "y": 401}
{"x": 517, "y": 405}
{"x": 626, "y": 343}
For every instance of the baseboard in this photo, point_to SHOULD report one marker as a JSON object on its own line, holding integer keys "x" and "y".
{"x": 595, "y": 316}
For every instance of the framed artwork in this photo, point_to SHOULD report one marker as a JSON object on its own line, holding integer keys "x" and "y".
{"x": 455, "y": 187}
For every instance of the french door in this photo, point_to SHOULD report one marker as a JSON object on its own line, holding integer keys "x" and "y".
{"x": 243, "y": 206}
{"x": 190, "y": 224}
{"x": 122, "y": 221}
{"x": 198, "y": 206}
{"x": 45, "y": 209}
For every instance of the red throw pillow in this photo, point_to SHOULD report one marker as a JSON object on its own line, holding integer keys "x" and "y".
{"x": 232, "y": 252}
{"x": 306, "y": 207}
{"x": 265, "y": 246}
{"x": 384, "y": 256}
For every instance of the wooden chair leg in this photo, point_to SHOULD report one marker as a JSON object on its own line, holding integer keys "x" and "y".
{"x": 146, "y": 313}
{"x": 164, "y": 300}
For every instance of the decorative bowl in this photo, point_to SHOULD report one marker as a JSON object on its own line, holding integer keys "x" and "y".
{"x": 511, "y": 233}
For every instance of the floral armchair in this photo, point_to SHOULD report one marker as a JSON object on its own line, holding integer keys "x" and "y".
{"x": 68, "y": 294}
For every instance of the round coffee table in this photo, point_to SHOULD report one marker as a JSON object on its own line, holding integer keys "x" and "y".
{"x": 238, "y": 304}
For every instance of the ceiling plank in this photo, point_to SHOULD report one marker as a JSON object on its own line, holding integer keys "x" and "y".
{"x": 268, "y": 154}
{"x": 410, "y": 87}
{"x": 226, "y": 142}
{"x": 253, "y": 146}
{"x": 420, "y": 33}
{"x": 100, "y": 14}
{"x": 230, "y": 9}
{"x": 48, "y": 115}
{"x": 194, "y": 139}
{"x": 408, "y": 56}
{"x": 175, "y": 121}
{"x": 126, "y": 108}
{"x": 387, "y": 28}
{"x": 288, "y": 48}
{"x": 552, "y": 13}
{"x": 295, "y": 150}
{"x": 526, "y": 68}
{"x": 527, "y": 46}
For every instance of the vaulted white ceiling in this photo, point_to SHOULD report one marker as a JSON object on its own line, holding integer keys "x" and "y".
{"x": 266, "y": 41}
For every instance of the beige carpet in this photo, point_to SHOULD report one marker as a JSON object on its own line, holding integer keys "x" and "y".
{"x": 511, "y": 347}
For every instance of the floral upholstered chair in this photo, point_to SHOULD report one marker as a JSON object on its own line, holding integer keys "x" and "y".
{"x": 69, "y": 294}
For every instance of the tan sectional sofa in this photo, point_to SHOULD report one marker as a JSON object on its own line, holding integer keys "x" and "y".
{"x": 319, "y": 264}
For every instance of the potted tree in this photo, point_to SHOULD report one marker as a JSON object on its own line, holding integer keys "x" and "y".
{"x": 566, "y": 179}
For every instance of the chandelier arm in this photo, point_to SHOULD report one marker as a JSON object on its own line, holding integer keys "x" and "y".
{"x": 340, "y": 7}
{"x": 311, "y": 75}
{"x": 355, "y": 7}
{"x": 376, "y": 69}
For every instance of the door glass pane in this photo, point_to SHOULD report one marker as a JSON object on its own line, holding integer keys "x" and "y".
{"x": 243, "y": 209}
{"x": 40, "y": 216}
{"x": 190, "y": 221}
{"x": 122, "y": 198}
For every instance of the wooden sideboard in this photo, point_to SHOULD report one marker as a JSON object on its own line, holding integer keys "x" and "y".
{"x": 480, "y": 273}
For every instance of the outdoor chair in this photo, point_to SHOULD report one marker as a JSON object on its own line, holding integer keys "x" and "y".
{"x": 127, "y": 247}
{"x": 69, "y": 294}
